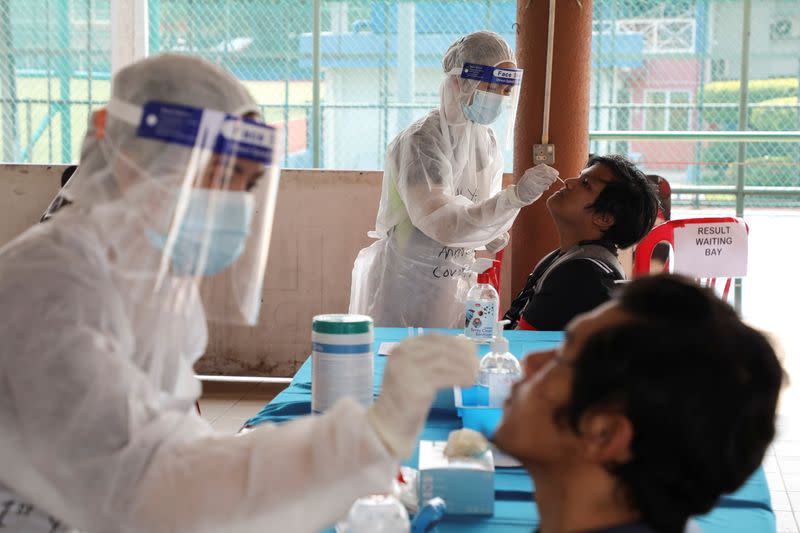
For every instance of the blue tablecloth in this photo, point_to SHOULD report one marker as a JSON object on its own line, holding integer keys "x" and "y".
{"x": 748, "y": 510}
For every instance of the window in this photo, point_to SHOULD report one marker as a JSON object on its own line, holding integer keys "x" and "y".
{"x": 667, "y": 110}
{"x": 380, "y": 63}
{"x": 719, "y": 69}
{"x": 672, "y": 35}
{"x": 379, "y": 60}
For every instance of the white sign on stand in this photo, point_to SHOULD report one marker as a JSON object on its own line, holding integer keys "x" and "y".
{"x": 711, "y": 250}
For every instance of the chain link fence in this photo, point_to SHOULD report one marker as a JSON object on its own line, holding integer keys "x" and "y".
{"x": 656, "y": 66}
{"x": 379, "y": 63}
{"x": 259, "y": 41}
{"x": 676, "y": 66}
{"x": 54, "y": 69}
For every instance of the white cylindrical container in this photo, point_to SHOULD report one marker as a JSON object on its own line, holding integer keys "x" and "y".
{"x": 342, "y": 360}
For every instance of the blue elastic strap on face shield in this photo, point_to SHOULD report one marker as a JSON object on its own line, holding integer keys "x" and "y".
{"x": 185, "y": 125}
{"x": 485, "y": 73}
{"x": 486, "y": 106}
{"x": 213, "y": 231}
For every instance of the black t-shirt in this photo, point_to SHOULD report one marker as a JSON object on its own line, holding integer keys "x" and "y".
{"x": 574, "y": 287}
{"x": 626, "y": 528}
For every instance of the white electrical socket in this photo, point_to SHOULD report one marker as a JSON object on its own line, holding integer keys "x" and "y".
{"x": 544, "y": 154}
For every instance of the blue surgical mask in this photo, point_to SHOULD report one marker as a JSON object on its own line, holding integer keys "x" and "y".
{"x": 217, "y": 217}
{"x": 485, "y": 107}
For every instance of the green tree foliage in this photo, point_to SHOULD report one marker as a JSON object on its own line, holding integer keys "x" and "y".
{"x": 727, "y": 92}
{"x": 773, "y": 107}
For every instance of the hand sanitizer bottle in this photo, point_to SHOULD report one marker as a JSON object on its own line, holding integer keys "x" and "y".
{"x": 499, "y": 369}
{"x": 480, "y": 314}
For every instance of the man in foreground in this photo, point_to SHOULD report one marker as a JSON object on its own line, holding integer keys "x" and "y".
{"x": 657, "y": 403}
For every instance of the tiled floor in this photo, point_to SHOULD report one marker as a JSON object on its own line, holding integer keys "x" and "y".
{"x": 782, "y": 463}
{"x": 228, "y": 405}
{"x": 782, "y": 466}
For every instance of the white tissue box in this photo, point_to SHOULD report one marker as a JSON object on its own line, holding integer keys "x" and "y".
{"x": 466, "y": 484}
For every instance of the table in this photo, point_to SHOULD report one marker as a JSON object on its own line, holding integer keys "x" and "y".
{"x": 748, "y": 510}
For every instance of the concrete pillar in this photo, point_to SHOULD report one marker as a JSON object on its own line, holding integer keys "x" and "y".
{"x": 534, "y": 234}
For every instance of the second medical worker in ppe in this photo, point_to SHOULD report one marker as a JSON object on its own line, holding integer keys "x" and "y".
{"x": 104, "y": 312}
{"x": 441, "y": 194}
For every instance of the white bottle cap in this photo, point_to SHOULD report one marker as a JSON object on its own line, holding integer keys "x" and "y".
{"x": 481, "y": 265}
{"x": 500, "y": 343}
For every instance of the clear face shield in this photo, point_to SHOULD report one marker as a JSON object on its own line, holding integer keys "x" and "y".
{"x": 489, "y": 96}
{"x": 210, "y": 193}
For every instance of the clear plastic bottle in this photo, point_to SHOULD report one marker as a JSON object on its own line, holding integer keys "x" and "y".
{"x": 376, "y": 514}
{"x": 499, "y": 369}
{"x": 480, "y": 314}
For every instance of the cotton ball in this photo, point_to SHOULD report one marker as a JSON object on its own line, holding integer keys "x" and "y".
{"x": 465, "y": 443}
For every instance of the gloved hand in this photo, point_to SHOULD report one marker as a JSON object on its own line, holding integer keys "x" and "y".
{"x": 498, "y": 244}
{"x": 534, "y": 182}
{"x": 415, "y": 370}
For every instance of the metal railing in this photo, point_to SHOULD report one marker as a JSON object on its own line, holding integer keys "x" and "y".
{"x": 37, "y": 115}
{"x": 714, "y": 136}
{"x": 42, "y": 112}
{"x": 740, "y": 191}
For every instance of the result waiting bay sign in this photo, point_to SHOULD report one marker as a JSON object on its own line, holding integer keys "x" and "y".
{"x": 711, "y": 250}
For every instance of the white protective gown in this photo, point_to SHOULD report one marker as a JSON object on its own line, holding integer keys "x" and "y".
{"x": 97, "y": 392}
{"x": 429, "y": 223}
{"x": 441, "y": 198}
{"x": 99, "y": 424}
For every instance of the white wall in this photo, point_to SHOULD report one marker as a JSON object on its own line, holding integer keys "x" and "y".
{"x": 321, "y": 222}
{"x": 25, "y": 192}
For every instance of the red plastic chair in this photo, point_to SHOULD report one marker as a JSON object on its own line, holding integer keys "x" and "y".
{"x": 492, "y": 276}
{"x": 666, "y": 233}
{"x": 664, "y": 196}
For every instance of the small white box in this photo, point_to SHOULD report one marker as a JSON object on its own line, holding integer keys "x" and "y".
{"x": 466, "y": 484}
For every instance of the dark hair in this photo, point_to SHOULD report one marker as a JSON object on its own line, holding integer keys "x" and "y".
{"x": 664, "y": 192}
{"x": 67, "y": 174}
{"x": 631, "y": 199}
{"x": 699, "y": 387}
{"x": 59, "y": 201}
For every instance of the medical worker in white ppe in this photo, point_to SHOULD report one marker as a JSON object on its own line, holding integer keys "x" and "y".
{"x": 104, "y": 312}
{"x": 441, "y": 196}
